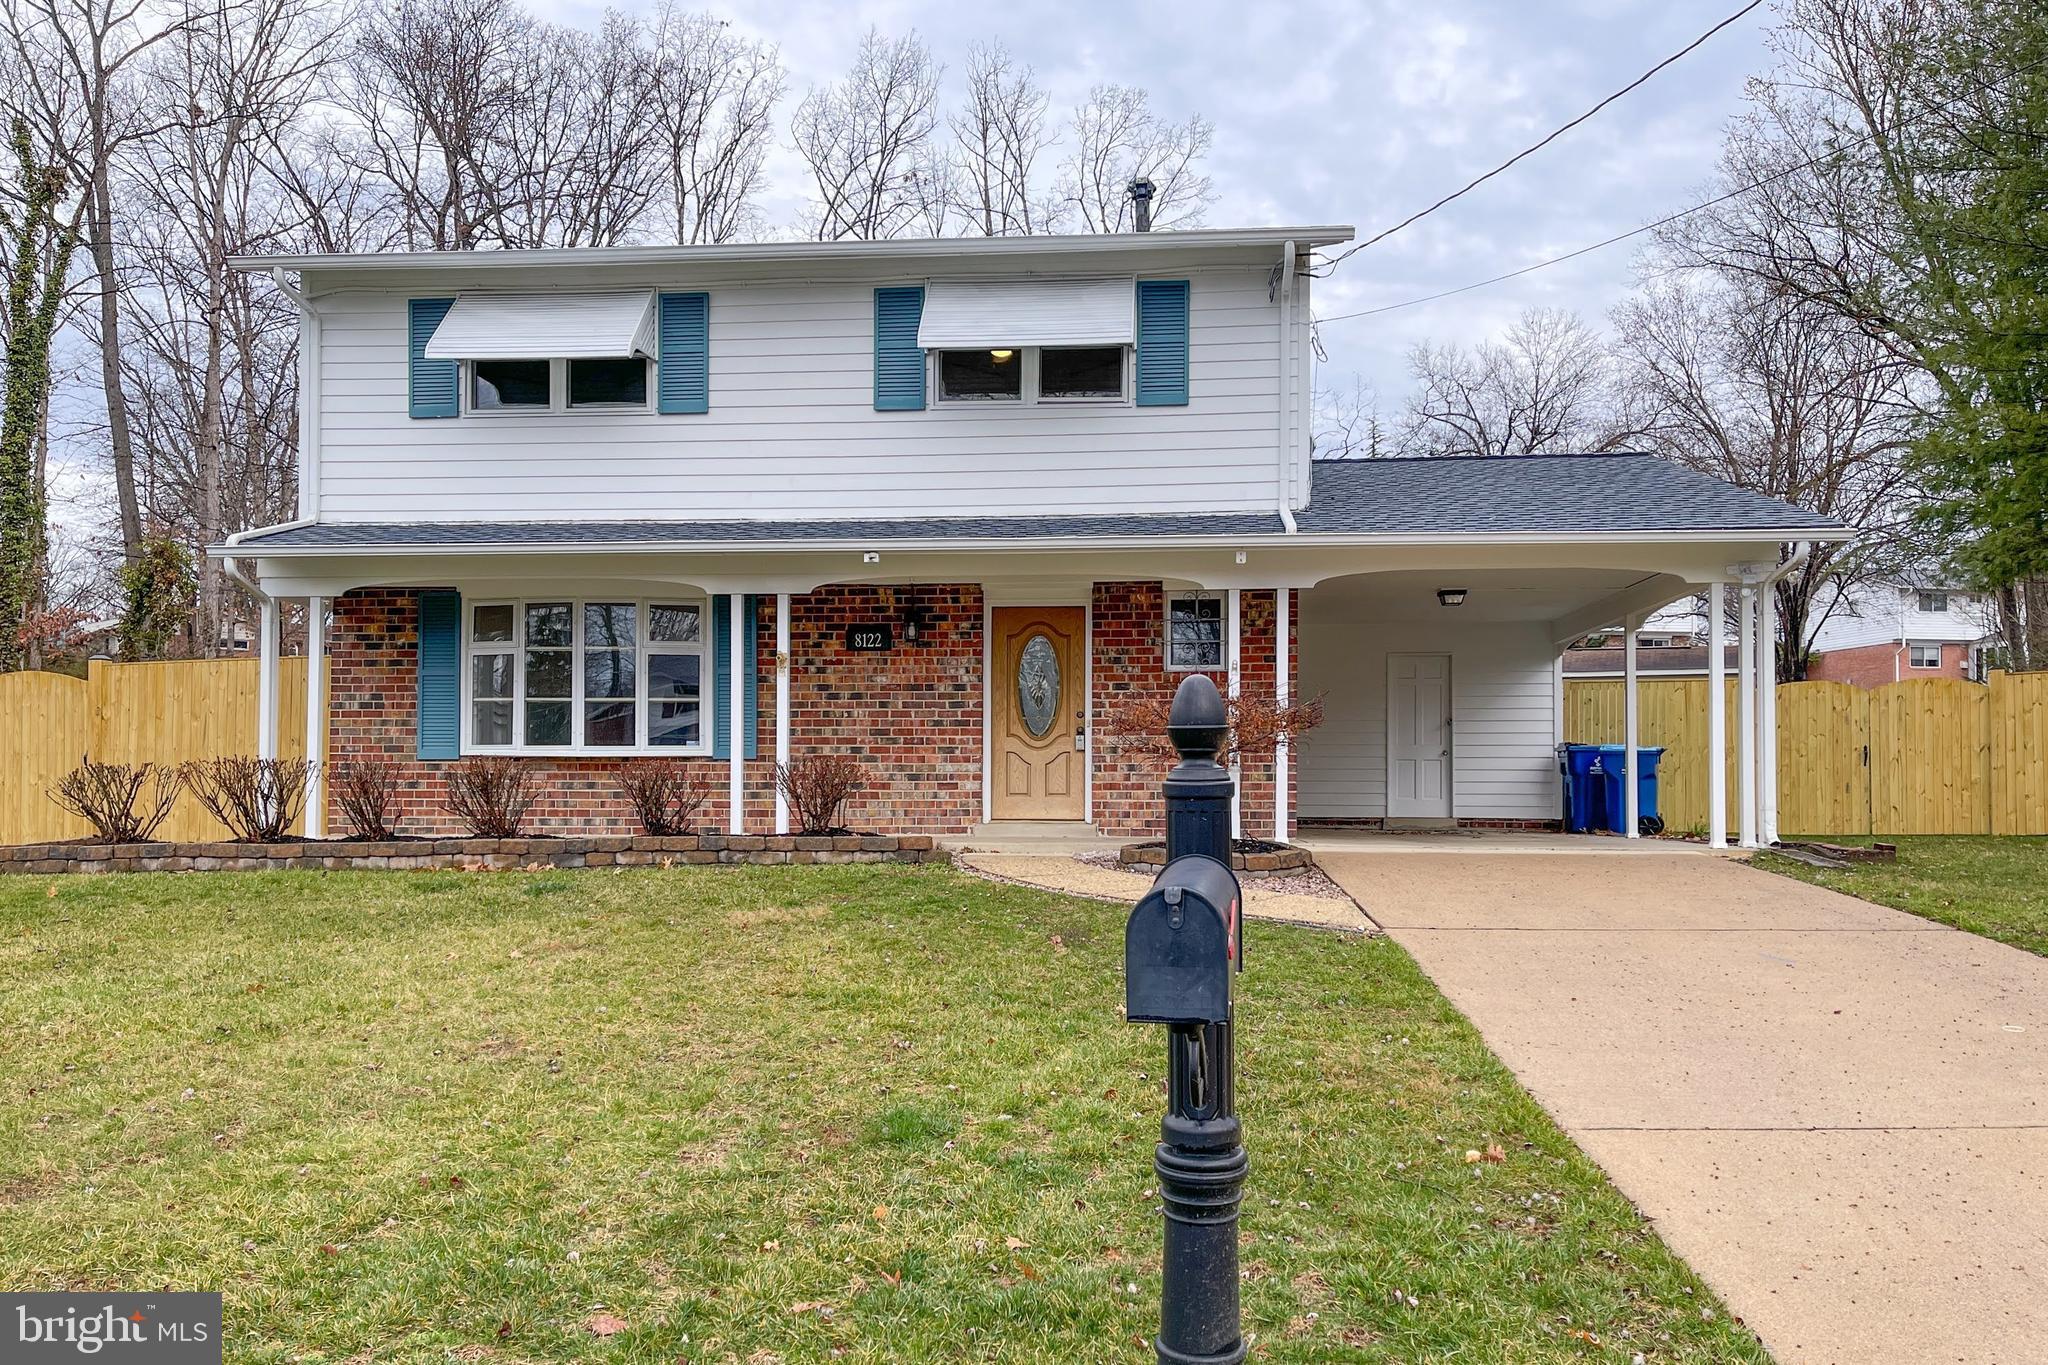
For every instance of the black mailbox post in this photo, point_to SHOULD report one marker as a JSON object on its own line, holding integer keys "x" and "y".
{"x": 1182, "y": 945}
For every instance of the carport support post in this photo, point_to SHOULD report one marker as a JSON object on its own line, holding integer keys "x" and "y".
{"x": 1767, "y": 713}
{"x": 316, "y": 718}
{"x": 1631, "y": 724}
{"x": 266, "y": 678}
{"x": 1717, "y": 722}
{"x": 1745, "y": 718}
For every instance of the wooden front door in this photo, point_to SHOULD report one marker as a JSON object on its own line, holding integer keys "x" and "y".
{"x": 1036, "y": 705}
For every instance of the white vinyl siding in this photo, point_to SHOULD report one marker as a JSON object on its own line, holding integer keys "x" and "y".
{"x": 1503, "y": 718}
{"x": 792, "y": 431}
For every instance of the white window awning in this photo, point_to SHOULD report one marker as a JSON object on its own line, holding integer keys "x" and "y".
{"x": 545, "y": 327}
{"x": 973, "y": 315}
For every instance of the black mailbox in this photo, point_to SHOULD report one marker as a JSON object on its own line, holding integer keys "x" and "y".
{"x": 1181, "y": 944}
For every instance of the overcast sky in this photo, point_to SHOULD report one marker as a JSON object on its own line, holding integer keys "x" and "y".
{"x": 1362, "y": 112}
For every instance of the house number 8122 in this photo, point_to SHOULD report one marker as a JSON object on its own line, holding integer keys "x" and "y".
{"x": 870, "y": 639}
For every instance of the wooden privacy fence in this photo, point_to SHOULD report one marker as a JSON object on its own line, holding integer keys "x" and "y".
{"x": 132, "y": 713}
{"x": 1924, "y": 756}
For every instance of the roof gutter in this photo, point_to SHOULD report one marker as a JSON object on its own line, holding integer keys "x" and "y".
{"x": 1283, "y": 454}
{"x": 940, "y": 545}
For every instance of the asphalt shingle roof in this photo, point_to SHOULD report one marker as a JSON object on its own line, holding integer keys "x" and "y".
{"x": 1576, "y": 494}
{"x": 1590, "y": 493}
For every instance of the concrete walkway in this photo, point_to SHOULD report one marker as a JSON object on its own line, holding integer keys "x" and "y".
{"x": 1836, "y": 1112}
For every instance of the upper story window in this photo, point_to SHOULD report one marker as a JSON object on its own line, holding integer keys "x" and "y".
{"x": 586, "y": 676}
{"x": 1194, "y": 631}
{"x": 582, "y": 384}
{"x": 562, "y": 352}
{"x": 1033, "y": 374}
{"x": 1932, "y": 600}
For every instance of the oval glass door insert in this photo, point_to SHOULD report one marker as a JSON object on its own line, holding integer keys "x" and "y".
{"x": 1038, "y": 685}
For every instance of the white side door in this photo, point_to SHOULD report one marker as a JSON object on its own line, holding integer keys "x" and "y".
{"x": 1419, "y": 736}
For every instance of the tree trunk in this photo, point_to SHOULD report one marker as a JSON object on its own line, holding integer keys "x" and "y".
{"x": 120, "y": 443}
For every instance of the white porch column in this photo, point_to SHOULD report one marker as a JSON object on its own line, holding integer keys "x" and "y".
{"x": 1631, "y": 797}
{"x": 266, "y": 679}
{"x": 1717, "y": 723}
{"x": 1767, "y": 714}
{"x": 1233, "y": 634}
{"x": 1283, "y": 660}
{"x": 781, "y": 705}
{"x": 316, "y": 718}
{"x": 1745, "y": 716}
{"x": 736, "y": 720}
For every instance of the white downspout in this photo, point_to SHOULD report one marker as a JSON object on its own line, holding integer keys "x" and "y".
{"x": 1283, "y": 449}
{"x": 309, "y": 397}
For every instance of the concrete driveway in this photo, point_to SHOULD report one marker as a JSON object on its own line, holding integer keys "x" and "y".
{"x": 1836, "y": 1112}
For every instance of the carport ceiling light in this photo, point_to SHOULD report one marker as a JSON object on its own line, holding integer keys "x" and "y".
{"x": 1450, "y": 597}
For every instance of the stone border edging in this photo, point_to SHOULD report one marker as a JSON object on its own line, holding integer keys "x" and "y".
{"x": 478, "y": 855}
{"x": 1282, "y": 862}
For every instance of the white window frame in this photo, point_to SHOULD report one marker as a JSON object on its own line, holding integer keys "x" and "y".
{"x": 1028, "y": 385}
{"x": 1222, "y": 631}
{"x": 1913, "y": 649}
{"x": 558, "y": 393}
{"x": 1930, "y": 601}
{"x": 707, "y": 688}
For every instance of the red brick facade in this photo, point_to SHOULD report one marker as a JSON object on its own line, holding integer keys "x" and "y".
{"x": 1877, "y": 665}
{"x": 912, "y": 714}
{"x": 1130, "y": 664}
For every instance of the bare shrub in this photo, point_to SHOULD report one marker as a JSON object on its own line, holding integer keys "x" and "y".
{"x": 490, "y": 796}
{"x": 665, "y": 794}
{"x": 818, "y": 787}
{"x": 1258, "y": 723}
{"x": 256, "y": 798}
{"x": 123, "y": 802}
{"x": 364, "y": 789}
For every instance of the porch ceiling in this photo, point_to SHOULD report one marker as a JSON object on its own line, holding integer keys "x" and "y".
{"x": 1492, "y": 595}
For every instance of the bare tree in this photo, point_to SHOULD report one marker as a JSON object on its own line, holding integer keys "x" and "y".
{"x": 76, "y": 63}
{"x": 1546, "y": 387}
{"x": 1117, "y": 139}
{"x": 999, "y": 137}
{"x": 866, "y": 140}
{"x": 712, "y": 97}
{"x": 1348, "y": 424}
{"x": 1781, "y": 396}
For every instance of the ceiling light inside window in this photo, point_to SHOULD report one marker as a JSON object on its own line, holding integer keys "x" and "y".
{"x": 1000, "y": 356}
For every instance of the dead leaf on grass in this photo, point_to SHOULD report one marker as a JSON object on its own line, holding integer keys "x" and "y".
{"x": 604, "y": 1324}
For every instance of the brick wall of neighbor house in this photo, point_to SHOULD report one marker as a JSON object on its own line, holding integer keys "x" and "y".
{"x": 1130, "y": 663}
{"x": 913, "y": 715}
{"x": 1877, "y": 665}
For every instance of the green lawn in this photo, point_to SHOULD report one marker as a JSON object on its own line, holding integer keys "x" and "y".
{"x": 759, "y": 1115}
{"x": 1994, "y": 886}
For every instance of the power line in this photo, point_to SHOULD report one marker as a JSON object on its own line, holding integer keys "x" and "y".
{"x": 1539, "y": 146}
{"x": 1735, "y": 193}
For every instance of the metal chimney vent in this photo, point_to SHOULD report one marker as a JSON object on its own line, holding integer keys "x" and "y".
{"x": 1141, "y": 203}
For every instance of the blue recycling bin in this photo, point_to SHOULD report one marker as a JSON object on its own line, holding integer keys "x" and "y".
{"x": 1594, "y": 797}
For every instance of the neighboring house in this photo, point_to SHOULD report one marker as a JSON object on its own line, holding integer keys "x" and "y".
{"x": 1884, "y": 632}
{"x": 1666, "y": 660}
{"x": 939, "y": 505}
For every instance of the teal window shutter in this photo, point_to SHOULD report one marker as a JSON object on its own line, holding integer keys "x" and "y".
{"x": 683, "y": 379}
{"x": 899, "y": 361}
{"x": 440, "y": 674}
{"x": 721, "y": 672}
{"x": 430, "y": 384}
{"x": 1162, "y": 343}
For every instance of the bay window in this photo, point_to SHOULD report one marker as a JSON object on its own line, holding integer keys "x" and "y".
{"x": 586, "y": 676}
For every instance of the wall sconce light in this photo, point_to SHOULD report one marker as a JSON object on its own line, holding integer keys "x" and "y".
{"x": 1450, "y": 597}
{"x": 916, "y": 620}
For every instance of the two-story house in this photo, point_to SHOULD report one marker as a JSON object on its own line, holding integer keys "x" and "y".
{"x": 1889, "y": 630}
{"x": 939, "y": 505}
